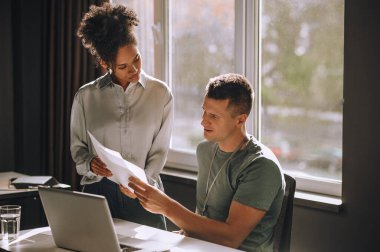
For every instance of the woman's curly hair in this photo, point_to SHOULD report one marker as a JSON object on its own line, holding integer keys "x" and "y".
{"x": 104, "y": 29}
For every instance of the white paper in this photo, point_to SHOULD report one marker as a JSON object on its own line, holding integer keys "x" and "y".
{"x": 121, "y": 169}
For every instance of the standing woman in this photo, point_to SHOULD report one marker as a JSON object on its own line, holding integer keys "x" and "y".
{"x": 126, "y": 110}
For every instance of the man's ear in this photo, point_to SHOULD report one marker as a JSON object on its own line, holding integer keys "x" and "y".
{"x": 241, "y": 119}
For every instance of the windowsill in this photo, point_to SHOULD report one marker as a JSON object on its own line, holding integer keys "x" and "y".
{"x": 318, "y": 201}
{"x": 301, "y": 198}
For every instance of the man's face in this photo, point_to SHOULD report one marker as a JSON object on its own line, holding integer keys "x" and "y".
{"x": 127, "y": 65}
{"x": 217, "y": 121}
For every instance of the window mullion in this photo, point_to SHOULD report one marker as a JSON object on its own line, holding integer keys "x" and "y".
{"x": 240, "y": 41}
{"x": 253, "y": 61}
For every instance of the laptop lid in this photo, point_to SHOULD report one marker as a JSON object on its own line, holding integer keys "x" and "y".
{"x": 79, "y": 221}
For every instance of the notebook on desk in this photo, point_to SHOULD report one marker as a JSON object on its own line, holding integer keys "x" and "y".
{"x": 83, "y": 222}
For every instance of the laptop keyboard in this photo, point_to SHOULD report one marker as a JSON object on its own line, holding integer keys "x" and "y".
{"x": 126, "y": 248}
{"x": 133, "y": 244}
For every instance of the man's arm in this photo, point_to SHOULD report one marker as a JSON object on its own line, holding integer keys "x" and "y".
{"x": 241, "y": 219}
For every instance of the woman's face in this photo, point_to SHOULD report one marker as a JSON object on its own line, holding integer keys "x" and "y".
{"x": 127, "y": 66}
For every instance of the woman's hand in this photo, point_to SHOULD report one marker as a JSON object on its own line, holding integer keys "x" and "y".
{"x": 99, "y": 168}
{"x": 151, "y": 198}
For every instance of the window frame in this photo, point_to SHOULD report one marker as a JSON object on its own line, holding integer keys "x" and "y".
{"x": 248, "y": 63}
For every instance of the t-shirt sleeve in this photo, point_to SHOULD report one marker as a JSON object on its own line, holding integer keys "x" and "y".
{"x": 258, "y": 184}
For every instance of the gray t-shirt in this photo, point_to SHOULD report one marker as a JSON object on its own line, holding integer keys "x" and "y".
{"x": 253, "y": 177}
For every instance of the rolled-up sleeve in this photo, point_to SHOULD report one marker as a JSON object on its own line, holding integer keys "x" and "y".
{"x": 158, "y": 152}
{"x": 79, "y": 142}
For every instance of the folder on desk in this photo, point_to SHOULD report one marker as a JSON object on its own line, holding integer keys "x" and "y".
{"x": 33, "y": 182}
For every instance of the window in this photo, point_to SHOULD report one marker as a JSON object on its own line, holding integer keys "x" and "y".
{"x": 302, "y": 86}
{"x": 292, "y": 51}
{"x": 201, "y": 48}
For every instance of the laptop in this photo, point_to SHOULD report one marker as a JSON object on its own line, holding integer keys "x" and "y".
{"x": 82, "y": 222}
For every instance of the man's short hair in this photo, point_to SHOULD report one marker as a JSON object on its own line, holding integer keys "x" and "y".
{"x": 234, "y": 87}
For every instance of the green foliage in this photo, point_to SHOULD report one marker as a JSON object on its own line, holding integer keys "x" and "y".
{"x": 307, "y": 62}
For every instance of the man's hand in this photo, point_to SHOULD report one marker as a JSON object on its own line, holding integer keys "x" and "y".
{"x": 99, "y": 168}
{"x": 127, "y": 192}
{"x": 181, "y": 232}
{"x": 151, "y": 198}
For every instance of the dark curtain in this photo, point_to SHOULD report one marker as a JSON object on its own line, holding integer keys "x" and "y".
{"x": 66, "y": 66}
{"x": 7, "y": 154}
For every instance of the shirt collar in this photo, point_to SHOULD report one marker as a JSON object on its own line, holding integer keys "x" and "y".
{"x": 106, "y": 80}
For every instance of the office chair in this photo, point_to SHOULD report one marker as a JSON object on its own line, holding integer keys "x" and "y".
{"x": 283, "y": 229}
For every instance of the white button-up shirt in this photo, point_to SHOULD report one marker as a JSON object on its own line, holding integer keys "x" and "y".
{"x": 136, "y": 122}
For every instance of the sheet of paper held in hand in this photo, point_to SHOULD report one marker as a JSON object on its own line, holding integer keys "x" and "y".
{"x": 121, "y": 169}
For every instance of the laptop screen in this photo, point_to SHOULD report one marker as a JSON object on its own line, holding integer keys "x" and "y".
{"x": 79, "y": 221}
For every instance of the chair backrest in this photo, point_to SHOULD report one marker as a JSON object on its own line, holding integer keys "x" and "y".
{"x": 283, "y": 229}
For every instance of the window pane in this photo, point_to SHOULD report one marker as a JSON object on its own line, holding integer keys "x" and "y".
{"x": 202, "y": 46}
{"x": 144, "y": 31}
{"x": 302, "y": 84}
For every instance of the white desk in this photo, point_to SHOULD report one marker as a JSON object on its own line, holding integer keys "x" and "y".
{"x": 41, "y": 240}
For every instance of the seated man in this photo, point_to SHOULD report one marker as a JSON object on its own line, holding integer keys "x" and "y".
{"x": 240, "y": 183}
